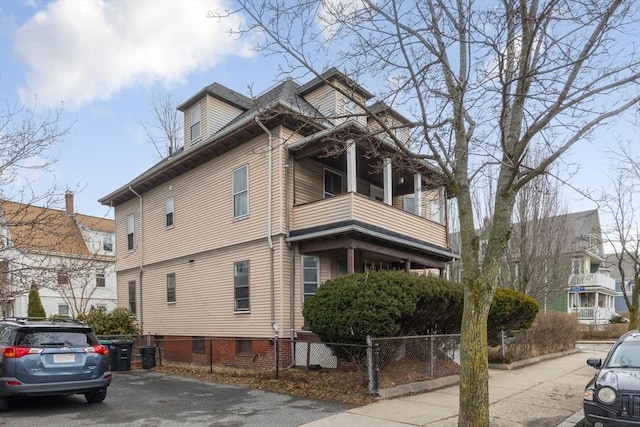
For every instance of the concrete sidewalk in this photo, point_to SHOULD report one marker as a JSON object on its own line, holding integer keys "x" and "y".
{"x": 548, "y": 393}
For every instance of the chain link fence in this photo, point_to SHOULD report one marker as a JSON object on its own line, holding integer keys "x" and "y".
{"x": 381, "y": 363}
{"x": 404, "y": 360}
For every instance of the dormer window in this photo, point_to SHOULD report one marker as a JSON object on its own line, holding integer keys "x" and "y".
{"x": 350, "y": 108}
{"x": 194, "y": 121}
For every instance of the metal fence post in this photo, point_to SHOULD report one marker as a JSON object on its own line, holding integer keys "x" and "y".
{"x": 211, "y": 355}
{"x": 433, "y": 357}
{"x": 502, "y": 346}
{"x": 148, "y": 338}
{"x": 277, "y": 350}
{"x": 376, "y": 370}
{"x": 370, "y": 363}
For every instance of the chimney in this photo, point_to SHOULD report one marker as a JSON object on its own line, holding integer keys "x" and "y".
{"x": 68, "y": 202}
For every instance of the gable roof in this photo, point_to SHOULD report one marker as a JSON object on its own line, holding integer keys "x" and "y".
{"x": 333, "y": 74}
{"x": 38, "y": 229}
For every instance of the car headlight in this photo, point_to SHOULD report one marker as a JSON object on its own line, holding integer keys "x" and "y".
{"x": 607, "y": 395}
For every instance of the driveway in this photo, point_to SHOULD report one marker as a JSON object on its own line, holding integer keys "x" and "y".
{"x": 146, "y": 398}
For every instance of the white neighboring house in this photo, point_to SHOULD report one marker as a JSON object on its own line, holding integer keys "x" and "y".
{"x": 69, "y": 257}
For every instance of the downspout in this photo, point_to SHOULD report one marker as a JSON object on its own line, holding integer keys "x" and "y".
{"x": 269, "y": 239}
{"x": 292, "y": 260}
{"x": 141, "y": 259}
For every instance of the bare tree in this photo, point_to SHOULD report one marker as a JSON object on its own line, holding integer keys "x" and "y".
{"x": 485, "y": 83}
{"x": 624, "y": 237}
{"x": 26, "y": 136}
{"x": 165, "y": 131}
{"x": 76, "y": 280}
{"x": 538, "y": 259}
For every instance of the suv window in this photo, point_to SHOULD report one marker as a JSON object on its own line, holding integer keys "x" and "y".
{"x": 5, "y": 334}
{"x": 45, "y": 338}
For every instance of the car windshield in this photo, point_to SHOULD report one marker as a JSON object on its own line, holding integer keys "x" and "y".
{"x": 625, "y": 356}
{"x": 43, "y": 339}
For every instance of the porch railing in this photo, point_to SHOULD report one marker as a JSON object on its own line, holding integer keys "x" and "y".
{"x": 592, "y": 280}
{"x": 354, "y": 206}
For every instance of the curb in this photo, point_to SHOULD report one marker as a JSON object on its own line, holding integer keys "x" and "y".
{"x": 574, "y": 420}
{"x": 532, "y": 361}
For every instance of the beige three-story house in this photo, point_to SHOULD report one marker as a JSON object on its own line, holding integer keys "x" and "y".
{"x": 269, "y": 198}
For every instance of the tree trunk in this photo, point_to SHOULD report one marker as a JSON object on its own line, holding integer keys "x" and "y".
{"x": 633, "y": 317}
{"x": 474, "y": 377}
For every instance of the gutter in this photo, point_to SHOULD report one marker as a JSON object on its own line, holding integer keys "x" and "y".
{"x": 274, "y": 326}
{"x": 141, "y": 258}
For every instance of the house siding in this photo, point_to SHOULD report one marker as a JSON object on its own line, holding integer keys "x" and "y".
{"x": 218, "y": 114}
{"x": 324, "y": 99}
{"x": 203, "y": 208}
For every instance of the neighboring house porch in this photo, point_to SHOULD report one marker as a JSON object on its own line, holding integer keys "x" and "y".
{"x": 592, "y": 297}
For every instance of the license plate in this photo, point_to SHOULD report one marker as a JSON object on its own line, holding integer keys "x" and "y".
{"x": 64, "y": 358}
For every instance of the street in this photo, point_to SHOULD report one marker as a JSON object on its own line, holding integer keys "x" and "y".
{"x": 145, "y": 398}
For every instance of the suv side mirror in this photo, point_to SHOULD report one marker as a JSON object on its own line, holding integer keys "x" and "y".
{"x": 596, "y": 362}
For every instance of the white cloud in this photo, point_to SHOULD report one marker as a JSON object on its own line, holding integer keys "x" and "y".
{"x": 80, "y": 51}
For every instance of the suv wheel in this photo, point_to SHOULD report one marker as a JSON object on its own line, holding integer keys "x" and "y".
{"x": 4, "y": 404}
{"x": 96, "y": 396}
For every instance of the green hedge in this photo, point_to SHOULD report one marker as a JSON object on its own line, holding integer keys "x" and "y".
{"x": 387, "y": 303}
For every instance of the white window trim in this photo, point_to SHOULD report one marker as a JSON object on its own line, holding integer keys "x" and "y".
{"x": 175, "y": 294}
{"x": 131, "y": 229}
{"x": 325, "y": 194}
{"x": 168, "y": 211}
{"x": 302, "y": 268}
{"x": 192, "y": 113}
{"x": 234, "y": 194}
{"x": 235, "y": 306}
{"x": 404, "y": 204}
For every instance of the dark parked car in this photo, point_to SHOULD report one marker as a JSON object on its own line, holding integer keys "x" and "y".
{"x": 612, "y": 397}
{"x": 51, "y": 357}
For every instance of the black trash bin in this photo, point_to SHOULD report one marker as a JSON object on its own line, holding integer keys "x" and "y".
{"x": 148, "y": 356}
{"x": 121, "y": 355}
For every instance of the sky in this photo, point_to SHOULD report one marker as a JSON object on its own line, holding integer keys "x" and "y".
{"x": 101, "y": 60}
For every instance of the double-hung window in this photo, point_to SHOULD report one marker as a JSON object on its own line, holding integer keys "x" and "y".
{"x": 171, "y": 287}
{"x": 332, "y": 183}
{"x": 194, "y": 121}
{"x": 132, "y": 296}
{"x": 168, "y": 212}
{"x": 241, "y": 286}
{"x": 130, "y": 230}
{"x": 241, "y": 192}
{"x": 310, "y": 276}
{"x": 107, "y": 242}
{"x": 409, "y": 203}
{"x": 100, "y": 281}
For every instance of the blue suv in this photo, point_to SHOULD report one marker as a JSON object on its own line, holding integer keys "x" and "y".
{"x": 41, "y": 357}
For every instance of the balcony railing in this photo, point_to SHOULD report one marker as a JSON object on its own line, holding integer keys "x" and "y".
{"x": 356, "y": 207}
{"x": 594, "y": 314}
{"x": 592, "y": 280}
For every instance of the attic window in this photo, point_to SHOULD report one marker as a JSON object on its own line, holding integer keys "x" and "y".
{"x": 194, "y": 120}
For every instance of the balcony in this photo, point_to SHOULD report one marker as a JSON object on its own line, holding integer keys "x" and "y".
{"x": 348, "y": 207}
{"x": 594, "y": 314}
{"x": 591, "y": 280}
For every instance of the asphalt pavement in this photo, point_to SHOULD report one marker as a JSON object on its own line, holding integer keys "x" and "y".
{"x": 537, "y": 393}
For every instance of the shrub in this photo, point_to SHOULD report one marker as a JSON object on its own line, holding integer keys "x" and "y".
{"x": 618, "y": 319}
{"x": 119, "y": 321}
{"x": 387, "y": 303}
{"x": 554, "y": 332}
{"x": 347, "y": 309}
{"x": 34, "y": 307}
{"x": 511, "y": 310}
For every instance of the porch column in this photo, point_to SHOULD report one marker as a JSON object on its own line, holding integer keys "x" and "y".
{"x": 417, "y": 190}
{"x": 351, "y": 260}
{"x": 407, "y": 266}
{"x": 351, "y": 167}
{"x": 387, "y": 181}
